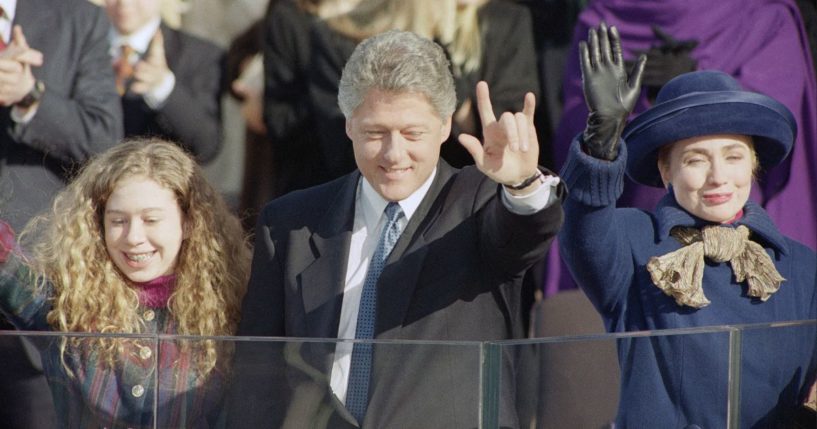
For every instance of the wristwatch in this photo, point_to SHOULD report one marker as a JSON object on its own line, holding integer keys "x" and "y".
{"x": 33, "y": 96}
{"x": 529, "y": 181}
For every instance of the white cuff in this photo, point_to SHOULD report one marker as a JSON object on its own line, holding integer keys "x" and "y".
{"x": 528, "y": 204}
{"x": 23, "y": 118}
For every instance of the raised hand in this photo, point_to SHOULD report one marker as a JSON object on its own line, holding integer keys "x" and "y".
{"x": 610, "y": 94}
{"x": 510, "y": 153}
{"x": 152, "y": 69}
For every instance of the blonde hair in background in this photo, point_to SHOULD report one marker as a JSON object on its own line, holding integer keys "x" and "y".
{"x": 454, "y": 26}
{"x": 89, "y": 294}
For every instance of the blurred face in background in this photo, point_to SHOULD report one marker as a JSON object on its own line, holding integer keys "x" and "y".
{"x": 128, "y": 16}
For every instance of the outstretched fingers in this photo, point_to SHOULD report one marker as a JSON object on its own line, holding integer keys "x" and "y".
{"x": 523, "y": 131}
{"x": 615, "y": 46}
{"x": 604, "y": 44}
{"x": 595, "y": 55}
{"x": 637, "y": 73}
{"x": 508, "y": 125}
{"x": 484, "y": 106}
{"x": 156, "y": 53}
{"x": 527, "y": 132}
{"x": 584, "y": 59}
{"x": 474, "y": 147}
{"x": 530, "y": 106}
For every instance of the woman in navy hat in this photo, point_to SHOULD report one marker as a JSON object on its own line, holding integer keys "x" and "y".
{"x": 706, "y": 256}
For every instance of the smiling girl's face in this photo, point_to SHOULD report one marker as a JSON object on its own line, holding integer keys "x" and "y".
{"x": 711, "y": 176}
{"x": 144, "y": 229}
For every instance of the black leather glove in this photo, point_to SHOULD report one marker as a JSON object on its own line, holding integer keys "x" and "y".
{"x": 609, "y": 93}
{"x": 668, "y": 59}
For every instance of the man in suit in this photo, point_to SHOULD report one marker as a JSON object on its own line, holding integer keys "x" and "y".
{"x": 170, "y": 81}
{"x": 460, "y": 242}
{"x": 59, "y": 107}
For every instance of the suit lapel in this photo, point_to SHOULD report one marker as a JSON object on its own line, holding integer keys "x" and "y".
{"x": 322, "y": 281}
{"x": 399, "y": 278}
{"x": 172, "y": 45}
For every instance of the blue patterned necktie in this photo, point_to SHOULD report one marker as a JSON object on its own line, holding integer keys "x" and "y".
{"x": 357, "y": 393}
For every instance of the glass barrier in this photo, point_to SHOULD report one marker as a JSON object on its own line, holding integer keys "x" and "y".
{"x": 148, "y": 381}
{"x": 736, "y": 376}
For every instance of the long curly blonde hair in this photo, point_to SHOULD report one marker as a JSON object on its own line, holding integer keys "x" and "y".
{"x": 89, "y": 294}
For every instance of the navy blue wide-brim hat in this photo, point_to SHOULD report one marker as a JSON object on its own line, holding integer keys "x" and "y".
{"x": 703, "y": 103}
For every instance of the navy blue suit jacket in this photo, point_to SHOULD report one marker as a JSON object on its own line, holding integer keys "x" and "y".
{"x": 454, "y": 275}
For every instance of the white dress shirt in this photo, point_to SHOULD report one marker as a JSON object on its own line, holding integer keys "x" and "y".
{"x": 6, "y": 21}
{"x": 368, "y": 222}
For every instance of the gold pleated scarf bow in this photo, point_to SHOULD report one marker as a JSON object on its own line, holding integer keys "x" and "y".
{"x": 680, "y": 273}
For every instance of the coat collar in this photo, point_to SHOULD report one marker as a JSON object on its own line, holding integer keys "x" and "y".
{"x": 669, "y": 215}
{"x": 329, "y": 245}
{"x": 329, "y": 248}
{"x": 322, "y": 279}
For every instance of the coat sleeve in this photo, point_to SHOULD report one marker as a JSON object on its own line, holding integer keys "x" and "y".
{"x": 593, "y": 242}
{"x": 21, "y": 301}
{"x": 513, "y": 242}
{"x": 86, "y": 119}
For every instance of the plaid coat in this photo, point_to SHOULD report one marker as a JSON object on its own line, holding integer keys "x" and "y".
{"x": 151, "y": 384}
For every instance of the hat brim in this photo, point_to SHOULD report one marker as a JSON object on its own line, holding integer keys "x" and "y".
{"x": 769, "y": 122}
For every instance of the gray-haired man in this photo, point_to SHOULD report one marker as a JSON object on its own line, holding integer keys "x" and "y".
{"x": 404, "y": 248}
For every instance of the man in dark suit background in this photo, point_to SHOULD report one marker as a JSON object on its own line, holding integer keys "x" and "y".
{"x": 170, "y": 81}
{"x": 323, "y": 267}
{"x": 59, "y": 107}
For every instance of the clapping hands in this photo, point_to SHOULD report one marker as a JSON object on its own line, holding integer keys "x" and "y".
{"x": 151, "y": 71}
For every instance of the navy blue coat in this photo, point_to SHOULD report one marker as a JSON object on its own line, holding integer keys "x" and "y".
{"x": 680, "y": 380}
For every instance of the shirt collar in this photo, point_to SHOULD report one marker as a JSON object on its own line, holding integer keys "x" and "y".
{"x": 374, "y": 203}
{"x": 10, "y": 6}
{"x": 139, "y": 40}
{"x": 669, "y": 215}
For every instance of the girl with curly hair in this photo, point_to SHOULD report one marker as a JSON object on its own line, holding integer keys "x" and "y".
{"x": 139, "y": 243}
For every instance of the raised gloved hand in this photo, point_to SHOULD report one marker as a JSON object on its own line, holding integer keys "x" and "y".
{"x": 609, "y": 93}
{"x": 668, "y": 59}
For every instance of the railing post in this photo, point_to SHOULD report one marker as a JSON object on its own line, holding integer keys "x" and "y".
{"x": 733, "y": 407}
{"x": 490, "y": 360}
